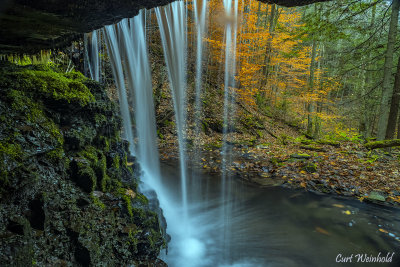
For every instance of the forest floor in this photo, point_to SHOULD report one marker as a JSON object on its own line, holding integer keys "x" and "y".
{"x": 346, "y": 169}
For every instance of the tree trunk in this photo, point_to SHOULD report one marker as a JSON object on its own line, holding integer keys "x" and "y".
{"x": 386, "y": 88}
{"x": 310, "y": 106}
{"x": 394, "y": 106}
{"x": 398, "y": 129}
{"x": 267, "y": 58}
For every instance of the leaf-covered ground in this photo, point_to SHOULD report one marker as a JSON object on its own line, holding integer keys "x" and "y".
{"x": 343, "y": 168}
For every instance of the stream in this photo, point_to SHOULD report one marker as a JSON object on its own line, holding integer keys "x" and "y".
{"x": 277, "y": 226}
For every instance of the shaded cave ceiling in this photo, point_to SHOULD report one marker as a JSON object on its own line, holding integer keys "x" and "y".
{"x": 28, "y": 26}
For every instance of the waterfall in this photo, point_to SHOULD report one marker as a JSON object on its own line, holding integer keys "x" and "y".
{"x": 114, "y": 54}
{"x": 127, "y": 46}
{"x": 92, "y": 54}
{"x": 231, "y": 13}
{"x": 200, "y": 11}
{"x": 199, "y": 237}
{"x": 173, "y": 29}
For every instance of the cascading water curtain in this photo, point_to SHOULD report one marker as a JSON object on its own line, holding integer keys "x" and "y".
{"x": 200, "y": 11}
{"x": 231, "y": 12}
{"x": 173, "y": 29}
{"x": 128, "y": 55}
{"x": 110, "y": 36}
{"x": 92, "y": 54}
{"x": 137, "y": 69}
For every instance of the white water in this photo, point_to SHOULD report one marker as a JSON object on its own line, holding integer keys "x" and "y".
{"x": 172, "y": 20}
{"x": 110, "y": 37}
{"x": 93, "y": 61}
{"x": 200, "y": 15}
{"x": 126, "y": 42}
{"x": 200, "y": 229}
{"x": 231, "y": 12}
{"x": 200, "y": 11}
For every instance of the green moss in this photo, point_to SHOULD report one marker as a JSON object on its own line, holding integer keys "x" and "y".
{"x": 87, "y": 179}
{"x": 97, "y": 202}
{"x": 160, "y": 135}
{"x": 100, "y": 119}
{"x": 285, "y": 139}
{"x": 104, "y": 142}
{"x": 303, "y": 155}
{"x": 275, "y": 161}
{"x": 54, "y": 131}
{"x": 310, "y": 167}
{"x": 81, "y": 136}
{"x": 213, "y": 145}
{"x": 22, "y": 103}
{"x": 132, "y": 239}
{"x": 75, "y": 75}
{"x": 251, "y": 122}
{"x": 128, "y": 204}
{"x": 329, "y": 142}
{"x": 10, "y": 150}
{"x": 56, "y": 154}
{"x": 142, "y": 199}
{"x": 98, "y": 163}
{"x": 116, "y": 162}
{"x": 125, "y": 160}
{"x": 51, "y": 84}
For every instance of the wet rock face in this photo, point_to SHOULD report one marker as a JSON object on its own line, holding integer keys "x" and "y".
{"x": 67, "y": 194}
{"x": 28, "y": 26}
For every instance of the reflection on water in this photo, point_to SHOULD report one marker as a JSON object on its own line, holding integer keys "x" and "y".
{"x": 281, "y": 227}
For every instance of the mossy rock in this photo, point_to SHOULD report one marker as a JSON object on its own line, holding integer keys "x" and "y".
{"x": 329, "y": 142}
{"x": 376, "y": 196}
{"x": 300, "y": 156}
{"x": 57, "y": 147}
{"x": 310, "y": 167}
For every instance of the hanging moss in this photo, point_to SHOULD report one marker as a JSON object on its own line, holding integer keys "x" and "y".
{"x": 116, "y": 162}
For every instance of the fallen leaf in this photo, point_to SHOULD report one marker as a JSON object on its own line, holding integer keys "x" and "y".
{"x": 322, "y": 231}
{"x": 338, "y": 205}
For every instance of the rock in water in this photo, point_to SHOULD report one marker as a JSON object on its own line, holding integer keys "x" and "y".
{"x": 376, "y": 196}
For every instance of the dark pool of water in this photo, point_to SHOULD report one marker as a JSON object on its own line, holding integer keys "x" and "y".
{"x": 283, "y": 227}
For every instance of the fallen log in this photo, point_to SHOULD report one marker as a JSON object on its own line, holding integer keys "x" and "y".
{"x": 382, "y": 144}
{"x": 313, "y": 148}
